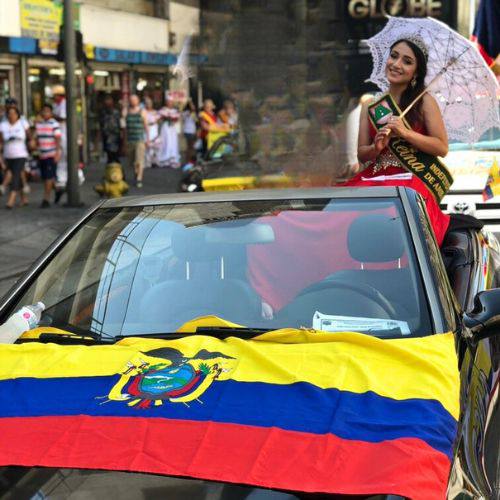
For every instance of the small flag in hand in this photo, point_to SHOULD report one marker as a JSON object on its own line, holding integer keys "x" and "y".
{"x": 492, "y": 187}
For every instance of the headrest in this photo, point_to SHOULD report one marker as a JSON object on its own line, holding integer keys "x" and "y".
{"x": 212, "y": 241}
{"x": 376, "y": 238}
{"x": 191, "y": 244}
{"x": 253, "y": 233}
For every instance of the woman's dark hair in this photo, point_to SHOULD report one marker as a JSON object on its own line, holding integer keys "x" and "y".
{"x": 16, "y": 109}
{"x": 415, "y": 114}
{"x": 190, "y": 106}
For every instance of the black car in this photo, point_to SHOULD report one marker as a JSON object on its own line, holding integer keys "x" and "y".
{"x": 357, "y": 259}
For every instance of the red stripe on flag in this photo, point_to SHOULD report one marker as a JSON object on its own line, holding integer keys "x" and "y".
{"x": 259, "y": 456}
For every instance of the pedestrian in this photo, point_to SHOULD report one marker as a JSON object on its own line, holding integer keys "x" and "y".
{"x": 189, "y": 128}
{"x": 152, "y": 149}
{"x": 228, "y": 115}
{"x": 208, "y": 120}
{"x": 48, "y": 138}
{"x": 169, "y": 150}
{"x": 59, "y": 113}
{"x": 14, "y": 135}
{"x": 137, "y": 130}
{"x": 209, "y": 124}
{"x": 9, "y": 103}
{"x": 111, "y": 131}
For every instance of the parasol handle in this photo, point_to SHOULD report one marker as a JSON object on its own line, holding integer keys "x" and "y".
{"x": 441, "y": 73}
{"x": 403, "y": 114}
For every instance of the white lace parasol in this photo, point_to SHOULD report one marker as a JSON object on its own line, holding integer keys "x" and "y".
{"x": 467, "y": 91}
{"x": 181, "y": 68}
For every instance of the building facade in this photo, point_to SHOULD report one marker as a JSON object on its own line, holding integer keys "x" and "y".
{"x": 298, "y": 67}
{"x": 129, "y": 47}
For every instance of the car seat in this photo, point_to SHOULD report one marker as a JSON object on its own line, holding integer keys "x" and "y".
{"x": 378, "y": 238}
{"x": 207, "y": 287}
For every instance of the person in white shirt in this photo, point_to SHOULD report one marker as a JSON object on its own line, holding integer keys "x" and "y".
{"x": 153, "y": 118}
{"x": 59, "y": 112}
{"x": 169, "y": 152}
{"x": 13, "y": 137}
{"x": 9, "y": 103}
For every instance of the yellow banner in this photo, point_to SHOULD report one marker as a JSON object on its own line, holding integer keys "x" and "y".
{"x": 41, "y": 19}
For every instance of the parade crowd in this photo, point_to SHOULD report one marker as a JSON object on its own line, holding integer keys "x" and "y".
{"x": 151, "y": 138}
{"x": 138, "y": 135}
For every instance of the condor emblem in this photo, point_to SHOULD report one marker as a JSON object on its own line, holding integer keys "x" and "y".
{"x": 165, "y": 374}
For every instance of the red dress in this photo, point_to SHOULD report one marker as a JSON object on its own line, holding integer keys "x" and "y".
{"x": 387, "y": 165}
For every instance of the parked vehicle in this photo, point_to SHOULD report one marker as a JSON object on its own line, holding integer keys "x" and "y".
{"x": 219, "y": 270}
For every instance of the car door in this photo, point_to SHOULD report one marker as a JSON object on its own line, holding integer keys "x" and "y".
{"x": 476, "y": 469}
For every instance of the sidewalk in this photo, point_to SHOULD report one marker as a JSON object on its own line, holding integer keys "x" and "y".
{"x": 26, "y": 232}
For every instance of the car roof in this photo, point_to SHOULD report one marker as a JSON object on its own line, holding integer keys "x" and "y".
{"x": 253, "y": 195}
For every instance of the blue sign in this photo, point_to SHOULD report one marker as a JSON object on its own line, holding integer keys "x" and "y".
{"x": 23, "y": 45}
{"x": 118, "y": 56}
{"x": 156, "y": 58}
{"x": 134, "y": 57}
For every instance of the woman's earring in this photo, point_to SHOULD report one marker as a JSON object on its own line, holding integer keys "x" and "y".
{"x": 413, "y": 82}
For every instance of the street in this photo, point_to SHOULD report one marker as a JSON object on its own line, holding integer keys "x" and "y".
{"x": 29, "y": 230}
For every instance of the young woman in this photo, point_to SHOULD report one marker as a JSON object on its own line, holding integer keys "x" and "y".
{"x": 13, "y": 137}
{"x": 152, "y": 117}
{"x": 169, "y": 152}
{"x": 406, "y": 69}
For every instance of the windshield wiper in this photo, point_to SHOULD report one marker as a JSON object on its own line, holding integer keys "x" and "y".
{"x": 72, "y": 335}
{"x": 223, "y": 332}
{"x": 220, "y": 332}
{"x": 68, "y": 339}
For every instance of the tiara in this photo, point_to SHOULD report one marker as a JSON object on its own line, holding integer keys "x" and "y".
{"x": 419, "y": 42}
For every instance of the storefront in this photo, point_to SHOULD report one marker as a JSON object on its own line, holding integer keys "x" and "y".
{"x": 9, "y": 77}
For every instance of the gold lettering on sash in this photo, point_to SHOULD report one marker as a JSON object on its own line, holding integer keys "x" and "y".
{"x": 426, "y": 167}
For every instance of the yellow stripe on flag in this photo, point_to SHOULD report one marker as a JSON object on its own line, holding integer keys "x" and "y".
{"x": 424, "y": 367}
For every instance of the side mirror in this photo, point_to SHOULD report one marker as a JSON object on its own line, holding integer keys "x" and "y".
{"x": 484, "y": 319}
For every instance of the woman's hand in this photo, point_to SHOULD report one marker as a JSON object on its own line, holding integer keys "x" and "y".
{"x": 397, "y": 126}
{"x": 381, "y": 140}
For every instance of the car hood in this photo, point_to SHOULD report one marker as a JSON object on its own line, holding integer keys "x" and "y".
{"x": 251, "y": 412}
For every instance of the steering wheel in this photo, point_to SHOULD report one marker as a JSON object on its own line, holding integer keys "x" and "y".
{"x": 363, "y": 289}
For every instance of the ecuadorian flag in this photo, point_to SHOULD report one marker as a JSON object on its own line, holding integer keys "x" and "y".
{"x": 295, "y": 410}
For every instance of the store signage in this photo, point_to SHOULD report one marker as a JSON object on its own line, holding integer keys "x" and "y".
{"x": 115, "y": 55}
{"x": 132, "y": 57}
{"x": 22, "y": 45}
{"x": 156, "y": 58}
{"x": 361, "y": 9}
{"x": 41, "y": 19}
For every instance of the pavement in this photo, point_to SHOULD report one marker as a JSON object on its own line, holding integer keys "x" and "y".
{"x": 25, "y": 232}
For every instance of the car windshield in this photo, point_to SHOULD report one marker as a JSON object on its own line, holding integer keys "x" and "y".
{"x": 328, "y": 264}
